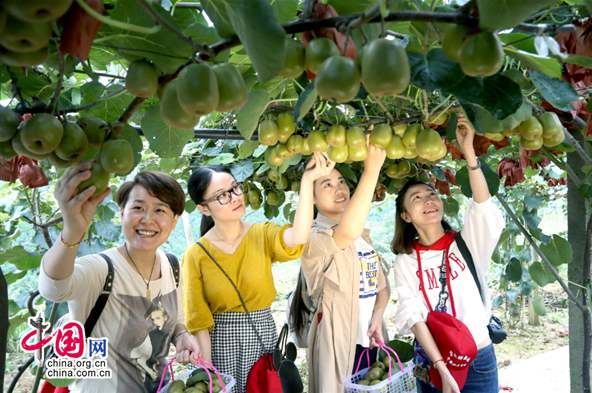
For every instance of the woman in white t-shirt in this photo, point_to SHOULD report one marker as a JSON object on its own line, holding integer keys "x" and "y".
{"x": 143, "y": 314}
{"x": 344, "y": 277}
{"x": 421, "y": 233}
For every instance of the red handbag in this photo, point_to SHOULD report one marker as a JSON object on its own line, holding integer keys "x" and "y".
{"x": 47, "y": 387}
{"x": 263, "y": 377}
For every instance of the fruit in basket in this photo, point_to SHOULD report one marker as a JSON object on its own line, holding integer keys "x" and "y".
{"x": 177, "y": 386}
{"x": 380, "y": 365}
{"x": 375, "y": 373}
{"x": 375, "y": 382}
{"x": 196, "y": 376}
{"x": 364, "y": 382}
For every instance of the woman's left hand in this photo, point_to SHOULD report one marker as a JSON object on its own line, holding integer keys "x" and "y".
{"x": 375, "y": 332}
{"x": 187, "y": 348}
{"x": 465, "y": 134}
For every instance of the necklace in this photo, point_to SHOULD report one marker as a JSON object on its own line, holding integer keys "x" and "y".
{"x": 148, "y": 294}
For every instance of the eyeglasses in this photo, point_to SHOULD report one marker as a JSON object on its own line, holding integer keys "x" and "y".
{"x": 225, "y": 197}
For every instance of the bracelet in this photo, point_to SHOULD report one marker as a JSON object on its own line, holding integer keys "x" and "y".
{"x": 436, "y": 361}
{"x": 176, "y": 336}
{"x": 474, "y": 168}
{"x": 70, "y": 245}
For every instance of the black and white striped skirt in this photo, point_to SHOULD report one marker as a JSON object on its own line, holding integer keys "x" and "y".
{"x": 235, "y": 347}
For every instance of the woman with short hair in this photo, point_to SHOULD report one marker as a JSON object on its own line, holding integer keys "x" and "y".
{"x": 143, "y": 314}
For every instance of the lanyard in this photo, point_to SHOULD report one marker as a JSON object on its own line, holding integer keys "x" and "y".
{"x": 444, "y": 281}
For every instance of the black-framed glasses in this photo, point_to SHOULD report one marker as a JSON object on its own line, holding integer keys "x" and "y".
{"x": 224, "y": 197}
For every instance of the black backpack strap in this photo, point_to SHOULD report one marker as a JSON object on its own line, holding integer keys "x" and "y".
{"x": 464, "y": 250}
{"x": 175, "y": 266}
{"x": 96, "y": 311}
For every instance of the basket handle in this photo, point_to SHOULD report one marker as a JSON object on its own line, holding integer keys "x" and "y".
{"x": 168, "y": 367}
{"x": 200, "y": 363}
{"x": 388, "y": 350}
{"x": 365, "y": 351}
{"x": 208, "y": 367}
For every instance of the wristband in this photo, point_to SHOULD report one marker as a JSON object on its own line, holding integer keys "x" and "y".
{"x": 176, "y": 336}
{"x": 474, "y": 168}
{"x": 70, "y": 245}
{"x": 436, "y": 362}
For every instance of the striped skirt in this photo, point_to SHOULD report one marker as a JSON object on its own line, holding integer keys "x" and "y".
{"x": 235, "y": 347}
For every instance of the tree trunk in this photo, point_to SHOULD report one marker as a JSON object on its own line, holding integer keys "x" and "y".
{"x": 3, "y": 327}
{"x": 533, "y": 317}
{"x": 577, "y": 214}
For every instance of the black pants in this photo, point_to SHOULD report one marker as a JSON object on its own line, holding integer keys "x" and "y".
{"x": 364, "y": 362}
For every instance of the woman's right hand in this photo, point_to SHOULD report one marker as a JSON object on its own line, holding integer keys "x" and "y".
{"x": 449, "y": 384}
{"x": 78, "y": 208}
{"x": 375, "y": 158}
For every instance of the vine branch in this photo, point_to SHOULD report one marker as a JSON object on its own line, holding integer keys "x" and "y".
{"x": 170, "y": 26}
{"x": 131, "y": 109}
{"x": 56, "y": 96}
{"x": 460, "y": 18}
{"x": 540, "y": 253}
{"x": 116, "y": 23}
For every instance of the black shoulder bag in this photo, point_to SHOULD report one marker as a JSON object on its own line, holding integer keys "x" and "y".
{"x": 497, "y": 334}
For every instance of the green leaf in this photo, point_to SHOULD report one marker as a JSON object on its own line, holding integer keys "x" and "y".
{"x": 20, "y": 258}
{"x": 462, "y": 177}
{"x": 219, "y": 17}
{"x": 246, "y": 149}
{"x": 164, "y": 48}
{"x": 451, "y": 207}
{"x": 532, "y": 201}
{"x": 247, "y": 117}
{"x": 557, "y": 92}
{"x": 502, "y": 14}
{"x": 190, "y": 206}
{"x": 548, "y": 66}
{"x": 242, "y": 170}
{"x": 285, "y": 10}
{"x": 348, "y": 7}
{"x": 498, "y": 94}
{"x": 514, "y": 270}
{"x": 539, "y": 274}
{"x": 260, "y": 33}
{"x": 91, "y": 92}
{"x": 221, "y": 159}
{"x": 403, "y": 349}
{"x": 520, "y": 41}
{"x": 293, "y": 160}
{"x": 558, "y": 250}
{"x": 305, "y": 102}
{"x": 584, "y": 61}
{"x": 165, "y": 141}
{"x": 111, "y": 103}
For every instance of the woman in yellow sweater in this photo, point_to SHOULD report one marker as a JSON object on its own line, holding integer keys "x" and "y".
{"x": 245, "y": 251}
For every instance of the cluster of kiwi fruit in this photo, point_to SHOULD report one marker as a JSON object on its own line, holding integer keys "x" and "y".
{"x": 197, "y": 382}
{"x": 535, "y": 132}
{"x": 403, "y": 143}
{"x": 197, "y": 90}
{"x": 25, "y": 29}
{"x": 43, "y": 136}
